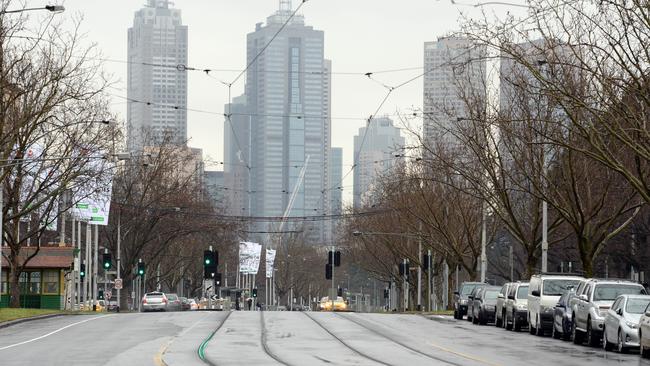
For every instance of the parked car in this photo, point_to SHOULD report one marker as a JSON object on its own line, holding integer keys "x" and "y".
{"x": 622, "y": 322}
{"x": 484, "y": 306}
{"x": 154, "y": 301}
{"x": 193, "y": 305}
{"x": 502, "y": 297}
{"x": 174, "y": 302}
{"x": 185, "y": 304}
{"x": 470, "y": 300}
{"x": 644, "y": 333}
{"x": 544, "y": 292}
{"x": 517, "y": 307}
{"x": 460, "y": 298}
{"x": 592, "y": 306}
{"x": 563, "y": 317}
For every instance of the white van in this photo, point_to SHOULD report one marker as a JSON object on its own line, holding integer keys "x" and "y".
{"x": 543, "y": 293}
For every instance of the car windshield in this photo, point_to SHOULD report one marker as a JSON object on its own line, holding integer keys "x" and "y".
{"x": 491, "y": 294}
{"x": 611, "y": 292}
{"x": 522, "y": 292}
{"x": 636, "y": 306}
{"x": 172, "y": 297}
{"x": 466, "y": 289}
{"x": 153, "y": 296}
{"x": 557, "y": 287}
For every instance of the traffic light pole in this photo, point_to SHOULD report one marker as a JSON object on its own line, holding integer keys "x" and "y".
{"x": 119, "y": 263}
{"x": 332, "y": 294}
{"x": 95, "y": 265}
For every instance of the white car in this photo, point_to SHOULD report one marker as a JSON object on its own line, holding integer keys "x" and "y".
{"x": 544, "y": 291}
{"x": 621, "y": 326}
{"x": 644, "y": 333}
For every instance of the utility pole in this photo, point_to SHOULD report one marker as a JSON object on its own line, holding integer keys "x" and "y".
{"x": 419, "y": 305}
{"x": 483, "y": 243}
{"x": 119, "y": 259}
{"x": 95, "y": 264}
{"x": 430, "y": 269}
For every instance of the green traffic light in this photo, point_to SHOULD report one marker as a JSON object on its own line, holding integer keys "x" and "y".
{"x": 207, "y": 261}
{"x": 107, "y": 265}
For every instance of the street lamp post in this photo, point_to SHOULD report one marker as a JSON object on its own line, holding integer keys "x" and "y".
{"x": 50, "y": 8}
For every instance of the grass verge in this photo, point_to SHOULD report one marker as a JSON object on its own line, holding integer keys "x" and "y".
{"x": 7, "y": 314}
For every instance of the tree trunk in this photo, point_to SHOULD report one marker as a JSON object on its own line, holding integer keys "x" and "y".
{"x": 531, "y": 262}
{"x": 14, "y": 285}
{"x": 585, "y": 257}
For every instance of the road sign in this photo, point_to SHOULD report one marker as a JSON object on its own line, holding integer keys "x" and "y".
{"x": 108, "y": 295}
{"x": 118, "y": 284}
{"x": 214, "y": 297}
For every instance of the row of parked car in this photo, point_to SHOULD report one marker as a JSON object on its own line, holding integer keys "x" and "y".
{"x": 160, "y": 301}
{"x": 614, "y": 314}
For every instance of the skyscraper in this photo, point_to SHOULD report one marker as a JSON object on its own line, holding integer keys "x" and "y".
{"x": 157, "y": 84}
{"x": 374, "y": 154}
{"x": 288, "y": 108}
{"x": 453, "y": 66}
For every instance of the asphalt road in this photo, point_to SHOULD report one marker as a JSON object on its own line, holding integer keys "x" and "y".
{"x": 284, "y": 338}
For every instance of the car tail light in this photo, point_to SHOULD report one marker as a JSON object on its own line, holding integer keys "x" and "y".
{"x": 144, "y": 300}
{"x": 165, "y": 301}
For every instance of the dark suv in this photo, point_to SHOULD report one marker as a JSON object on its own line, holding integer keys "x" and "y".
{"x": 460, "y": 298}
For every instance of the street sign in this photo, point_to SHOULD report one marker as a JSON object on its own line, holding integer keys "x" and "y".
{"x": 214, "y": 297}
{"x": 108, "y": 295}
{"x": 118, "y": 284}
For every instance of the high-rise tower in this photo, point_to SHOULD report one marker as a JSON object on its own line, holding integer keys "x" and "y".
{"x": 288, "y": 109}
{"x": 157, "y": 82}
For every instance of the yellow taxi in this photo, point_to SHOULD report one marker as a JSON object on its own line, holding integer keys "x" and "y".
{"x": 326, "y": 304}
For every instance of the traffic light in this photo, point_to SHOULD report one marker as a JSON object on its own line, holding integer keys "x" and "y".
{"x": 337, "y": 259}
{"x": 426, "y": 259}
{"x": 209, "y": 264}
{"x": 328, "y": 271}
{"x": 217, "y": 279}
{"x": 254, "y": 292}
{"x": 339, "y": 292}
{"x": 82, "y": 270}
{"x": 140, "y": 268}
{"x": 101, "y": 294}
{"x": 106, "y": 261}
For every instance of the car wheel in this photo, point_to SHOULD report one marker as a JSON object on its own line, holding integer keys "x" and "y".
{"x": 531, "y": 329}
{"x": 645, "y": 353}
{"x": 620, "y": 344}
{"x": 592, "y": 340}
{"x": 497, "y": 321}
{"x": 539, "y": 330}
{"x": 515, "y": 325}
{"x": 554, "y": 332}
{"x": 455, "y": 314}
{"x": 576, "y": 336}
{"x": 606, "y": 345}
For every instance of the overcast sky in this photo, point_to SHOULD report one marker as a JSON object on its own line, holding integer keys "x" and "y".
{"x": 360, "y": 36}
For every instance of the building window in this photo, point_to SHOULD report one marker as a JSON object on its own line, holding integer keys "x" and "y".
{"x": 51, "y": 282}
{"x": 4, "y": 283}
{"x": 34, "y": 282}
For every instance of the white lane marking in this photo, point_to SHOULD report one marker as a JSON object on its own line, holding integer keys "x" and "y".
{"x": 53, "y": 332}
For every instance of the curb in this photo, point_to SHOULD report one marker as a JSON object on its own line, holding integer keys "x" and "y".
{"x": 23, "y": 320}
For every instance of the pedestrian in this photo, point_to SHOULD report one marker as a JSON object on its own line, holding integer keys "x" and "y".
{"x": 259, "y": 306}
{"x": 250, "y": 303}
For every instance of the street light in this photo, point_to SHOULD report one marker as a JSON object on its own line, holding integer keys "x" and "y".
{"x": 50, "y": 8}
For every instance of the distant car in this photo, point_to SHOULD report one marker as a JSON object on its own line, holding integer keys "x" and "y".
{"x": 154, "y": 301}
{"x": 460, "y": 298}
{"x": 644, "y": 333}
{"x": 174, "y": 302}
{"x": 193, "y": 305}
{"x": 622, "y": 322}
{"x": 563, "y": 317}
{"x": 502, "y": 297}
{"x": 326, "y": 304}
{"x": 485, "y": 301}
{"x": 185, "y": 304}
{"x": 543, "y": 293}
{"x": 517, "y": 307}
{"x": 470, "y": 300}
{"x": 112, "y": 305}
{"x": 593, "y": 305}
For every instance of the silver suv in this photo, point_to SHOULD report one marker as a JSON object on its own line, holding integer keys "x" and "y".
{"x": 591, "y": 306}
{"x": 501, "y": 304}
{"x": 516, "y": 313}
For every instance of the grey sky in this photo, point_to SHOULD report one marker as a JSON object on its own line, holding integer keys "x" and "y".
{"x": 360, "y": 36}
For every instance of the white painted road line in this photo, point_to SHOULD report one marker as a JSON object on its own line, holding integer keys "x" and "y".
{"x": 53, "y": 332}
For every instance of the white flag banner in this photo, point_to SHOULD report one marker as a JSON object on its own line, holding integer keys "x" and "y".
{"x": 249, "y": 257}
{"x": 270, "y": 261}
{"x": 92, "y": 199}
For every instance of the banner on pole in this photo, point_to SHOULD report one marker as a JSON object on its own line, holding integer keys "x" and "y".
{"x": 270, "y": 261}
{"x": 250, "y": 255}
